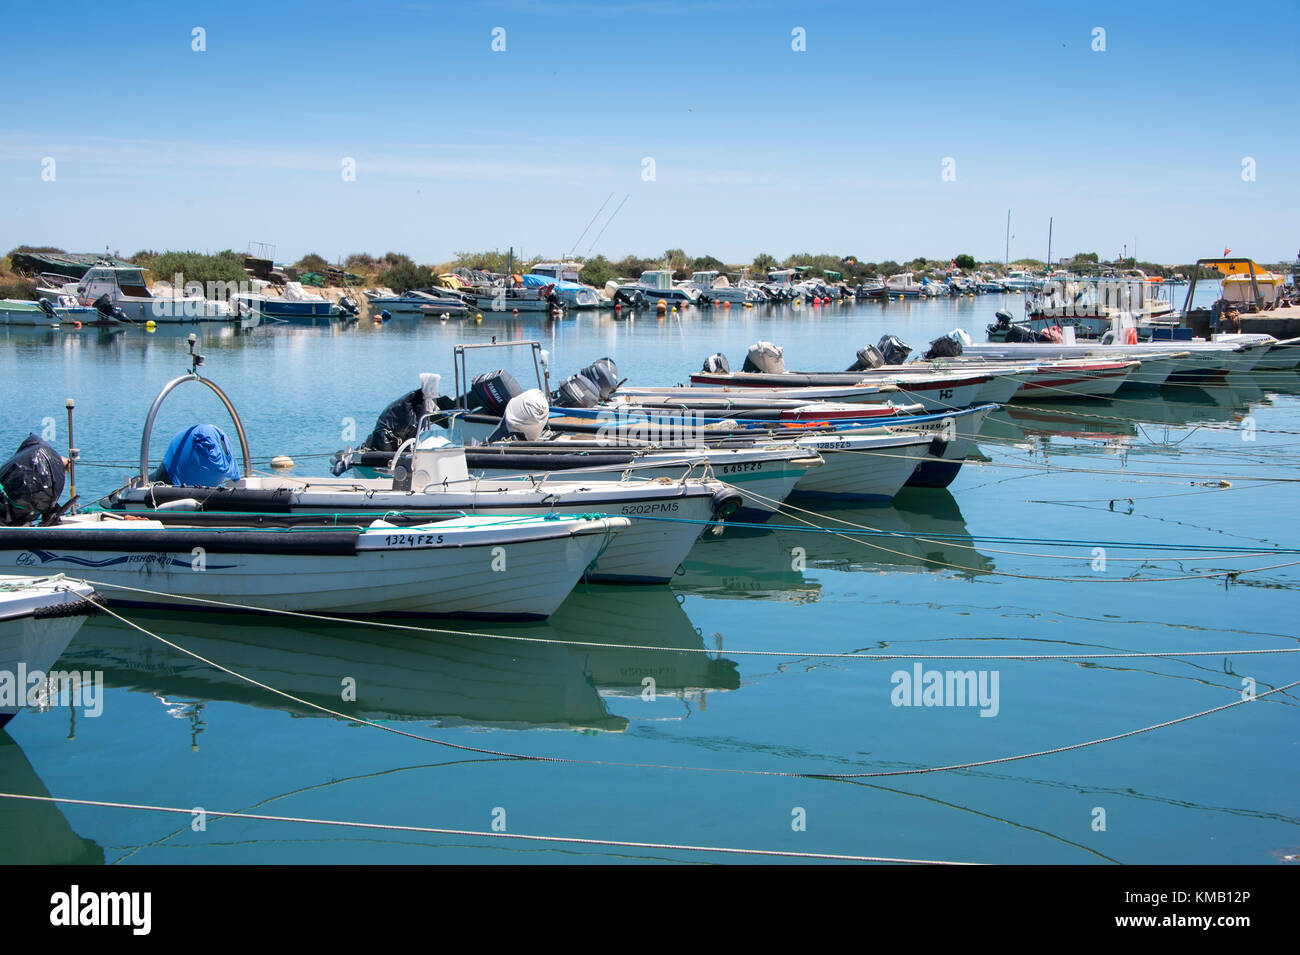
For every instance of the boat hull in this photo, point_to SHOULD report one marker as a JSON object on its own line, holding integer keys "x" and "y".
{"x": 384, "y": 571}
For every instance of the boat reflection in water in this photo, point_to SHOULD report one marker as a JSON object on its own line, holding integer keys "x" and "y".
{"x": 922, "y": 531}
{"x": 35, "y": 833}
{"x": 451, "y": 678}
{"x": 1118, "y": 421}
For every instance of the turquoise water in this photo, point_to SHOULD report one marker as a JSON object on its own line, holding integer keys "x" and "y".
{"x": 1002, "y": 563}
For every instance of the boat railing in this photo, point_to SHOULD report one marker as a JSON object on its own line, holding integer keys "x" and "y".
{"x": 460, "y": 363}
{"x": 191, "y": 375}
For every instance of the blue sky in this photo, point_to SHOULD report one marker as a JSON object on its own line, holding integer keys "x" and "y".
{"x": 756, "y": 147}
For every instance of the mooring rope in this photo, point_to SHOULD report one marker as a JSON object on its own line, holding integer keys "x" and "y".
{"x": 435, "y": 830}
{"x": 353, "y": 718}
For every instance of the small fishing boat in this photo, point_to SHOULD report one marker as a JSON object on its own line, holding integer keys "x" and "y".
{"x": 293, "y": 304}
{"x": 935, "y": 390}
{"x": 499, "y": 568}
{"x": 1194, "y": 359}
{"x": 38, "y": 618}
{"x": 426, "y": 303}
{"x": 63, "y": 310}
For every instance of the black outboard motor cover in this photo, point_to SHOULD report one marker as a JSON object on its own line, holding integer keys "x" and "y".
{"x": 492, "y": 391}
{"x": 397, "y": 423}
{"x": 943, "y": 347}
{"x": 717, "y": 363}
{"x": 104, "y": 305}
{"x": 577, "y": 391}
{"x": 602, "y": 373}
{"x": 869, "y": 357}
{"x": 1018, "y": 333}
{"x": 33, "y": 481}
{"x": 894, "y": 350}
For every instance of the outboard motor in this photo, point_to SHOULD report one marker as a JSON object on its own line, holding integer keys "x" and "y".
{"x": 1018, "y": 333}
{"x": 766, "y": 358}
{"x": 525, "y": 417}
{"x": 717, "y": 364}
{"x": 1003, "y": 317}
{"x": 869, "y": 357}
{"x": 892, "y": 348}
{"x": 603, "y": 373}
{"x": 47, "y": 308}
{"x": 32, "y": 481}
{"x": 577, "y": 391}
{"x": 492, "y": 391}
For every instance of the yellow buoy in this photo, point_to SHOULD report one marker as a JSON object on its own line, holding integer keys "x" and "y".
{"x": 478, "y": 316}
{"x": 282, "y": 461}
{"x": 150, "y": 325}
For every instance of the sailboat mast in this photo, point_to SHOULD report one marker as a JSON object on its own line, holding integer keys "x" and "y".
{"x": 1049, "y": 243}
{"x": 1006, "y": 258}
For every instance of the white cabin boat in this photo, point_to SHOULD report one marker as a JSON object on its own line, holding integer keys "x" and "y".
{"x": 126, "y": 290}
{"x": 657, "y": 285}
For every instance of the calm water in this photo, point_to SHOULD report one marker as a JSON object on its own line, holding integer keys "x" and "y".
{"x": 961, "y": 576}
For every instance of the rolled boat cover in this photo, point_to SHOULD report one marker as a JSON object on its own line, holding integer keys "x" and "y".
{"x": 200, "y": 456}
{"x": 527, "y": 414}
{"x": 32, "y": 481}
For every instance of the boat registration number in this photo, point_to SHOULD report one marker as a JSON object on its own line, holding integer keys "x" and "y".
{"x": 412, "y": 540}
{"x": 832, "y": 445}
{"x": 738, "y": 468}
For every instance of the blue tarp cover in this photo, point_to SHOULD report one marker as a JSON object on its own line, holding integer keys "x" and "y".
{"x": 539, "y": 281}
{"x": 200, "y": 456}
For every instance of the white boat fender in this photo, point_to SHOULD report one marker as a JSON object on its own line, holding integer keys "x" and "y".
{"x": 180, "y": 504}
{"x": 282, "y": 462}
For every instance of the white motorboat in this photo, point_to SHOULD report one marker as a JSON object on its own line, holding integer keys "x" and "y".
{"x": 933, "y": 390}
{"x": 478, "y": 567}
{"x": 63, "y": 310}
{"x": 38, "y": 618}
{"x": 124, "y": 289}
{"x": 667, "y": 515}
{"x": 654, "y": 286}
{"x": 713, "y": 286}
{"x": 426, "y": 303}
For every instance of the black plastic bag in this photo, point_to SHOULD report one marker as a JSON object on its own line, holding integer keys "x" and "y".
{"x": 943, "y": 348}
{"x": 32, "y": 481}
{"x": 398, "y": 422}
